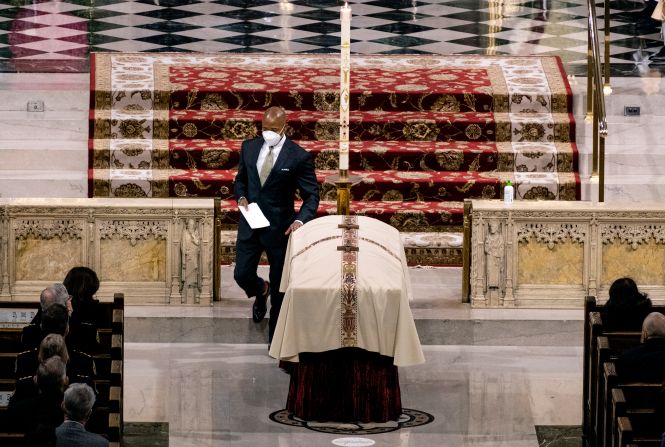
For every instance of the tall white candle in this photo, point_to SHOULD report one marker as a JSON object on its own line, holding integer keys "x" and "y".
{"x": 344, "y": 88}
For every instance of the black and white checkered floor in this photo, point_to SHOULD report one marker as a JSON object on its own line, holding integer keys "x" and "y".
{"x": 57, "y": 35}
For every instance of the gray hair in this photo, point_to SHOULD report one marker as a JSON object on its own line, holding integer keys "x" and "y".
{"x": 78, "y": 402}
{"x": 653, "y": 326}
{"x": 55, "y": 293}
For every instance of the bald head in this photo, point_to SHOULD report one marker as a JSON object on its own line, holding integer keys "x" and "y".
{"x": 653, "y": 326}
{"x": 274, "y": 119}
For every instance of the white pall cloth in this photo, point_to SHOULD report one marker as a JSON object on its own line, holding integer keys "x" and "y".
{"x": 377, "y": 316}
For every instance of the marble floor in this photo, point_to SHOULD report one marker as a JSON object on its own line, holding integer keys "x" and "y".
{"x": 58, "y": 35}
{"x": 204, "y": 372}
{"x": 492, "y": 378}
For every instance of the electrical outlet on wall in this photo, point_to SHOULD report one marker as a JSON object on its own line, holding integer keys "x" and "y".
{"x": 35, "y": 106}
{"x": 631, "y": 111}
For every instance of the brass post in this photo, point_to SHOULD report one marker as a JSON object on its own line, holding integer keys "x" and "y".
{"x": 466, "y": 253}
{"x": 589, "y": 75}
{"x": 601, "y": 170}
{"x": 216, "y": 228}
{"x": 607, "y": 45}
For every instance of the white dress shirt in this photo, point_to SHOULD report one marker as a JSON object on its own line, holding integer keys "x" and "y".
{"x": 264, "y": 153}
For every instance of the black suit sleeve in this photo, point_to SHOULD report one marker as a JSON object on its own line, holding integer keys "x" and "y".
{"x": 309, "y": 189}
{"x": 240, "y": 185}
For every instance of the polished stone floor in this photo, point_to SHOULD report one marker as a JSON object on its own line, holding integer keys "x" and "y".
{"x": 205, "y": 372}
{"x": 58, "y": 35}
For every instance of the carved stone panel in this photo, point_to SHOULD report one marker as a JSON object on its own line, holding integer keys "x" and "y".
{"x": 645, "y": 263}
{"x": 132, "y": 260}
{"x": 561, "y": 265}
{"x": 45, "y": 259}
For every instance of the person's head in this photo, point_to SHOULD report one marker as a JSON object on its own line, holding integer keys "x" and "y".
{"x": 273, "y": 125}
{"x": 653, "y": 326}
{"x": 55, "y": 320}
{"x": 52, "y": 375}
{"x": 53, "y": 344}
{"x": 82, "y": 283}
{"x": 55, "y": 293}
{"x": 78, "y": 402}
{"x": 624, "y": 291}
{"x": 191, "y": 224}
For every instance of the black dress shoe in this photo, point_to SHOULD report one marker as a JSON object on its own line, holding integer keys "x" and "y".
{"x": 260, "y": 306}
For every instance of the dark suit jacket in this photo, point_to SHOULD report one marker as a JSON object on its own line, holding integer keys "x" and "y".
{"x": 293, "y": 171}
{"x": 73, "y": 434}
{"x": 645, "y": 362}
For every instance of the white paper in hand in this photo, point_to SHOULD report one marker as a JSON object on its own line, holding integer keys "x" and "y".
{"x": 254, "y": 216}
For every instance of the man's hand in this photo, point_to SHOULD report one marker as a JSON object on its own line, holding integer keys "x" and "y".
{"x": 243, "y": 203}
{"x": 293, "y": 227}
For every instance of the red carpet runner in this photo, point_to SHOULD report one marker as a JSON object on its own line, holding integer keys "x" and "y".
{"x": 427, "y": 131}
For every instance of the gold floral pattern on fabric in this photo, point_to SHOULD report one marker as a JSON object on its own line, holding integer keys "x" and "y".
{"x": 473, "y": 131}
{"x": 446, "y": 103}
{"x": 392, "y": 196}
{"x": 326, "y": 101}
{"x": 190, "y": 130}
{"x": 213, "y": 101}
{"x": 564, "y": 162}
{"x": 131, "y": 150}
{"x": 348, "y": 287}
{"x": 180, "y": 190}
{"x": 421, "y": 131}
{"x": 215, "y": 158}
{"x": 568, "y": 191}
{"x": 539, "y": 193}
{"x": 409, "y": 221}
{"x": 129, "y": 190}
{"x": 530, "y": 132}
{"x": 327, "y": 160}
{"x": 489, "y": 192}
{"x": 327, "y": 130}
{"x": 239, "y": 129}
{"x": 131, "y": 129}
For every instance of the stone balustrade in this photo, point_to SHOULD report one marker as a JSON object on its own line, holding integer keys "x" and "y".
{"x": 550, "y": 254}
{"x": 155, "y": 251}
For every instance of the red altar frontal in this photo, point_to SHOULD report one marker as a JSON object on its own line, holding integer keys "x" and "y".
{"x": 345, "y": 323}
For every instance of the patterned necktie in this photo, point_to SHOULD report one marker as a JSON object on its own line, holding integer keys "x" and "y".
{"x": 267, "y": 166}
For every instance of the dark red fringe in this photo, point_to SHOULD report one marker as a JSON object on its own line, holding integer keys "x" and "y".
{"x": 345, "y": 385}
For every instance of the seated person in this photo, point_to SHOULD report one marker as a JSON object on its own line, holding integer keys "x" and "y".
{"x": 55, "y": 320}
{"x": 626, "y": 307}
{"x": 55, "y": 293}
{"x": 38, "y": 415}
{"x": 81, "y": 336}
{"x": 646, "y": 362}
{"x": 77, "y": 405}
{"x": 80, "y": 367}
{"x": 82, "y": 284}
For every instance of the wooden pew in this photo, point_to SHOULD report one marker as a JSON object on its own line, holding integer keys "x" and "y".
{"x": 596, "y": 395}
{"x": 629, "y": 399}
{"x": 107, "y": 415}
{"x": 643, "y": 430}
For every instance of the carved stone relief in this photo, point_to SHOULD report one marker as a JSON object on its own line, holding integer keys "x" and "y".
{"x": 133, "y": 231}
{"x": 190, "y": 262}
{"x": 551, "y": 234}
{"x": 64, "y": 229}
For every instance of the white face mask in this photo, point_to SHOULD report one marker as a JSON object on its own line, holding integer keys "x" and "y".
{"x": 272, "y": 138}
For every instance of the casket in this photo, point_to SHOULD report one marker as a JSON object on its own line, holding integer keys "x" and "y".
{"x": 345, "y": 324}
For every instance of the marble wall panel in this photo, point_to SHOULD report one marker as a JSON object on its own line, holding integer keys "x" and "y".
{"x": 45, "y": 259}
{"x": 145, "y": 260}
{"x": 561, "y": 265}
{"x": 645, "y": 264}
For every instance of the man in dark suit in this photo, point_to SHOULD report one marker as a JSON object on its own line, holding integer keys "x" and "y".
{"x": 77, "y": 405}
{"x": 646, "y": 362}
{"x": 272, "y": 169}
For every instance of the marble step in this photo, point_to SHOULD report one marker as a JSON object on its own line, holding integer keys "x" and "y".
{"x": 645, "y": 130}
{"x": 644, "y": 188}
{"x": 50, "y": 125}
{"x": 46, "y": 155}
{"x": 644, "y": 92}
{"x": 42, "y": 183}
